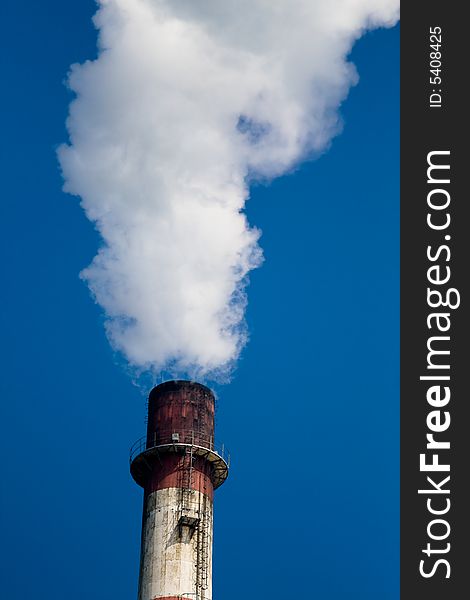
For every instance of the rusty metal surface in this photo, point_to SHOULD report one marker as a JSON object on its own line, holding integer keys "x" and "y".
{"x": 178, "y": 450}
{"x": 176, "y": 406}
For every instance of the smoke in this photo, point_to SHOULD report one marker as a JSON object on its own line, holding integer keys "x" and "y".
{"x": 187, "y": 101}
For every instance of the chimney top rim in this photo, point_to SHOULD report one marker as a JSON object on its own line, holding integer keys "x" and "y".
{"x": 175, "y": 384}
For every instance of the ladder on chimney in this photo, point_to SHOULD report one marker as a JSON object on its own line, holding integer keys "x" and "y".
{"x": 186, "y": 485}
{"x": 202, "y": 547}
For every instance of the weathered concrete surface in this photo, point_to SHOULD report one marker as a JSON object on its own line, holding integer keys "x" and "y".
{"x": 176, "y": 560}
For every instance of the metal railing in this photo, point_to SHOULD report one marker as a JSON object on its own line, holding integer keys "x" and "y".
{"x": 185, "y": 596}
{"x": 179, "y": 438}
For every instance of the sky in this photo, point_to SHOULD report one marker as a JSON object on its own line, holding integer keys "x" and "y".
{"x": 311, "y": 415}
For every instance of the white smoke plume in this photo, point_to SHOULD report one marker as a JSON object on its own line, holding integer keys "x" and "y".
{"x": 187, "y": 101}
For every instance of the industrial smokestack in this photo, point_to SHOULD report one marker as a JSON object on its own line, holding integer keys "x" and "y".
{"x": 178, "y": 465}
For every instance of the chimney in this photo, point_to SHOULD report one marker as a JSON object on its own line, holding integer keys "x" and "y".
{"x": 179, "y": 466}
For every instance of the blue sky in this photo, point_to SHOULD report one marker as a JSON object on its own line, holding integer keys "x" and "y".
{"x": 311, "y": 416}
